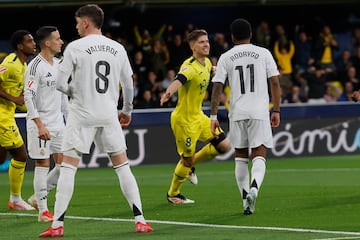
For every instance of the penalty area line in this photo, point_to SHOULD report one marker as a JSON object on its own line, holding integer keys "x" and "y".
{"x": 201, "y": 225}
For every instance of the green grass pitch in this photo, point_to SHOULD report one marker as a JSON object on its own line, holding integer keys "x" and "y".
{"x": 301, "y": 198}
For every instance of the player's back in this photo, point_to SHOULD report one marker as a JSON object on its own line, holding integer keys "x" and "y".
{"x": 99, "y": 64}
{"x": 248, "y": 68}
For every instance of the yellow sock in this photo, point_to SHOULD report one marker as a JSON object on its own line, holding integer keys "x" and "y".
{"x": 207, "y": 152}
{"x": 179, "y": 178}
{"x": 16, "y": 176}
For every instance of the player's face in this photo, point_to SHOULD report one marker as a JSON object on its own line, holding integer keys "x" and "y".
{"x": 201, "y": 46}
{"x": 55, "y": 42}
{"x": 80, "y": 26}
{"x": 28, "y": 45}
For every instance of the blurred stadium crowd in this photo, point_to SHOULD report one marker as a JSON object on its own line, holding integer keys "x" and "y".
{"x": 316, "y": 66}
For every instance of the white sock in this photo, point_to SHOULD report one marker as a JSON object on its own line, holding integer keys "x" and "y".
{"x": 52, "y": 177}
{"x": 130, "y": 190}
{"x": 40, "y": 175}
{"x": 242, "y": 176}
{"x": 258, "y": 171}
{"x": 64, "y": 191}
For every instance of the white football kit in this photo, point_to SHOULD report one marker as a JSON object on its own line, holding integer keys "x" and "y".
{"x": 45, "y": 102}
{"x": 248, "y": 67}
{"x": 98, "y": 67}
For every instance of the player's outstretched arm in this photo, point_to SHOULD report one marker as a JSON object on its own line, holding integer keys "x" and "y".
{"x": 174, "y": 86}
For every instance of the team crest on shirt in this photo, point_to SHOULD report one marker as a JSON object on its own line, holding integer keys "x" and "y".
{"x": 31, "y": 81}
{"x": 2, "y": 69}
{"x": 42, "y": 151}
{"x": 184, "y": 69}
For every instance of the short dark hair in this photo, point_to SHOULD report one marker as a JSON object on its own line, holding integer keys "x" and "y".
{"x": 240, "y": 29}
{"x": 43, "y": 33}
{"x": 194, "y": 35}
{"x": 92, "y": 11}
{"x": 18, "y": 37}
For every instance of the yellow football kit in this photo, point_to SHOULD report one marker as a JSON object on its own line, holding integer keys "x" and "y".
{"x": 188, "y": 121}
{"x": 12, "y": 82}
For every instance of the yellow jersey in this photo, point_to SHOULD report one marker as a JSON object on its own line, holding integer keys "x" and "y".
{"x": 12, "y": 82}
{"x": 195, "y": 78}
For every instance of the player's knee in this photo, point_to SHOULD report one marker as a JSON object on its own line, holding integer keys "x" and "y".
{"x": 221, "y": 144}
{"x": 187, "y": 161}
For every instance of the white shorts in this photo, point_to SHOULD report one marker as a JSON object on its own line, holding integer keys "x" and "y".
{"x": 108, "y": 139}
{"x": 42, "y": 149}
{"x": 251, "y": 133}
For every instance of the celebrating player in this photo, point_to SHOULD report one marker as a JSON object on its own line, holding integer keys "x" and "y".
{"x": 188, "y": 121}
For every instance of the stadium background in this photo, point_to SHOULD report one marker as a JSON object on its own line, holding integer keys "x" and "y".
{"x": 313, "y": 130}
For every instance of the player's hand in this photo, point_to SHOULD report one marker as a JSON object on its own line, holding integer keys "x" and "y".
{"x": 44, "y": 133}
{"x": 275, "y": 119}
{"x": 19, "y": 100}
{"x": 124, "y": 119}
{"x": 164, "y": 98}
{"x": 214, "y": 124}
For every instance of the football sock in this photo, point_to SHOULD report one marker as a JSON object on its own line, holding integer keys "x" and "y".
{"x": 52, "y": 177}
{"x": 207, "y": 152}
{"x": 40, "y": 174}
{"x": 242, "y": 176}
{"x": 130, "y": 189}
{"x": 64, "y": 192}
{"x": 16, "y": 176}
{"x": 258, "y": 171}
{"x": 178, "y": 179}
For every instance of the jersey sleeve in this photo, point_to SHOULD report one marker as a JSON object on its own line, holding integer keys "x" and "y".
{"x": 126, "y": 82}
{"x": 65, "y": 69}
{"x": 221, "y": 73}
{"x": 187, "y": 71}
{"x": 271, "y": 67}
{"x": 31, "y": 81}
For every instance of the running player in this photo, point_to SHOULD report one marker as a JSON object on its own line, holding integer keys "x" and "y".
{"x": 188, "y": 121}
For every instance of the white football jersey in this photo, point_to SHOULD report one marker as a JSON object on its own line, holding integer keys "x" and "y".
{"x": 98, "y": 67}
{"x": 41, "y": 97}
{"x": 247, "y": 67}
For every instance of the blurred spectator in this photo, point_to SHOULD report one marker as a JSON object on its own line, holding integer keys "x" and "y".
{"x": 324, "y": 48}
{"x": 333, "y": 92}
{"x": 144, "y": 40}
{"x": 355, "y": 39}
{"x": 351, "y": 77}
{"x": 347, "y": 93}
{"x": 294, "y": 96}
{"x": 147, "y": 100}
{"x": 178, "y": 51}
{"x": 170, "y": 75}
{"x": 263, "y": 35}
{"x": 140, "y": 67}
{"x": 159, "y": 58}
{"x": 281, "y": 37}
{"x": 316, "y": 80}
{"x": 219, "y": 46}
{"x": 342, "y": 63}
{"x": 355, "y": 59}
{"x": 303, "y": 50}
{"x": 283, "y": 58}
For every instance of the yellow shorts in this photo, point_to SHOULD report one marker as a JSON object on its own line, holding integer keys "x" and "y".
{"x": 10, "y": 136}
{"x": 188, "y": 134}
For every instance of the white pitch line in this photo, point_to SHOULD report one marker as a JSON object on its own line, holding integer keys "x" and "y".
{"x": 201, "y": 224}
{"x": 340, "y": 238}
